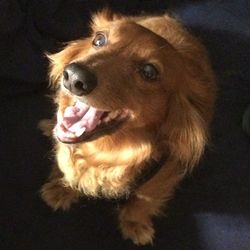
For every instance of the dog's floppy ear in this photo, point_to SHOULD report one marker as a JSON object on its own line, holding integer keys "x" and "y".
{"x": 57, "y": 64}
{"x": 185, "y": 129}
{"x": 59, "y": 60}
{"x": 55, "y": 67}
{"x": 103, "y": 17}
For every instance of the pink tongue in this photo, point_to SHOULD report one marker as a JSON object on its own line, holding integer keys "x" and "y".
{"x": 73, "y": 114}
{"x": 76, "y": 120}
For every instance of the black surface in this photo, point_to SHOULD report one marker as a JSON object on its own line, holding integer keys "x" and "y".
{"x": 211, "y": 209}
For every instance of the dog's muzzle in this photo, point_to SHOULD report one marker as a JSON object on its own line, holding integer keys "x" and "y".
{"x": 78, "y": 79}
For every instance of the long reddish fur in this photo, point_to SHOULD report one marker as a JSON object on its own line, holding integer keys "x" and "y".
{"x": 175, "y": 124}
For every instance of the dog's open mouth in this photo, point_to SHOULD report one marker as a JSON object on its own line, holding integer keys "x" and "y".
{"x": 82, "y": 123}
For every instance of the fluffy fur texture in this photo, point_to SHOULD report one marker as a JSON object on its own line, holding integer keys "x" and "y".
{"x": 168, "y": 116}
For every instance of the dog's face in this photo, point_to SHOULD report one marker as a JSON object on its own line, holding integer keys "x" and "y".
{"x": 118, "y": 78}
{"x": 127, "y": 78}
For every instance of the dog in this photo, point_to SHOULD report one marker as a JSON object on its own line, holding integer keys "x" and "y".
{"x": 134, "y": 103}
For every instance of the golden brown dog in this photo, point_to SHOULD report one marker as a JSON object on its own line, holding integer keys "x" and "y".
{"x": 137, "y": 89}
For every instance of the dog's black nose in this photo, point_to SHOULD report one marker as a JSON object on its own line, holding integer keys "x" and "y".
{"x": 78, "y": 79}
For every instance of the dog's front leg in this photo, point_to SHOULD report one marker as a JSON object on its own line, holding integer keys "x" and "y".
{"x": 56, "y": 194}
{"x": 135, "y": 217}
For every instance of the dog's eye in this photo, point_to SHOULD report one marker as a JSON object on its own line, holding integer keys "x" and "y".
{"x": 100, "y": 40}
{"x": 149, "y": 72}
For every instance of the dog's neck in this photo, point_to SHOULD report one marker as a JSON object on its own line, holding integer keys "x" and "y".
{"x": 105, "y": 166}
{"x": 124, "y": 146}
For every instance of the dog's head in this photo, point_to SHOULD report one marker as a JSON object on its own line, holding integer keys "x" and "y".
{"x": 128, "y": 77}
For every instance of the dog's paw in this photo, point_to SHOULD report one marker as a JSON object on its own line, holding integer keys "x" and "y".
{"x": 136, "y": 226}
{"x": 140, "y": 233}
{"x": 57, "y": 196}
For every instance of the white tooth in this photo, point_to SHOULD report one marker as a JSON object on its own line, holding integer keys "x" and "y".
{"x": 80, "y": 131}
{"x": 114, "y": 114}
{"x": 111, "y": 115}
{"x": 106, "y": 119}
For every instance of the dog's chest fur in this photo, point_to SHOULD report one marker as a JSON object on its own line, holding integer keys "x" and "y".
{"x": 95, "y": 175}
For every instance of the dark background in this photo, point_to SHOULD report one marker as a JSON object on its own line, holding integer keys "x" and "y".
{"x": 211, "y": 209}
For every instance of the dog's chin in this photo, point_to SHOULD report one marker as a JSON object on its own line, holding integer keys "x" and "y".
{"x": 82, "y": 123}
